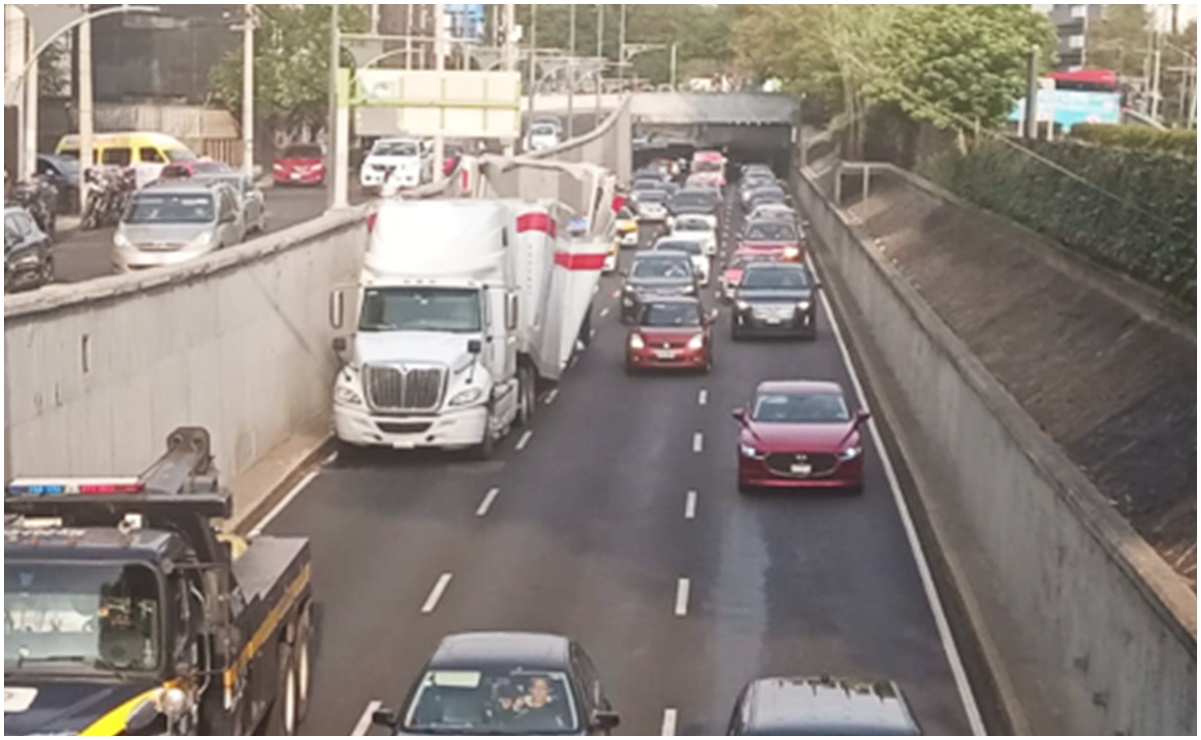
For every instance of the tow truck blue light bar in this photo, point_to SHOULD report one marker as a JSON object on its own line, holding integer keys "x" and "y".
{"x": 72, "y": 486}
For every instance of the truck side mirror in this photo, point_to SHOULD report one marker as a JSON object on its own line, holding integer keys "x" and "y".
{"x": 474, "y": 346}
{"x": 337, "y": 308}
{"x": 511, "y": 307}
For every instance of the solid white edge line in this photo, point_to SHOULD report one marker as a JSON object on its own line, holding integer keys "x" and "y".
{"x": 330, "y": 458}
{"x": 682, "y": 588}
{"x": 283, "y": 503}
{"x": 698, "y": 442}
{"x": 702, "y": 397}
{"x": 431, "y": 603}
{"x": 550, "y": 396}
{"x": 487, "y": 502}
{"x": 690, "y": 505}
{"x": 923, "y": 568}
{"x": 364, "y": 723}
{"x": 525, "y": 439}
{"x": 669, "y": 722}
{"x": 604, "y": 311}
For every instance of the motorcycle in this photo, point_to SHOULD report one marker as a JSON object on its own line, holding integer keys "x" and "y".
{"x": 109, "y": 190}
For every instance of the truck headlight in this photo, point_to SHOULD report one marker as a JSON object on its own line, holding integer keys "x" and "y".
{"x": 468, "y": 396}
{"x": 343, "y": 394}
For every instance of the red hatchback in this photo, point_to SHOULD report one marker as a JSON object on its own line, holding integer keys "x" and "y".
{"x": 671, "y": 333}
{"x": 800, "y": 434}
{"x": 300, "y": 164}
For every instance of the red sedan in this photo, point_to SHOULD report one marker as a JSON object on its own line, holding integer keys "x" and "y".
{"x": 671, "y": 333}
{"x": 771, "y": 238}
{"x": 300, "y": 164}
{"x": 800, "y": 434}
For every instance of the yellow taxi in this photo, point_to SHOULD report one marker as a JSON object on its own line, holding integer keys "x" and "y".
{"x": 627, "y": 228}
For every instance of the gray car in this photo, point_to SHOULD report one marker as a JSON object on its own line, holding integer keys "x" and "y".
{"x": 167, "y": 223}
{"x": 28, "y": 259}
{"x": 254, "y": 204}
{"x": 822, "y": 706}
{"x": 656, "y": 274}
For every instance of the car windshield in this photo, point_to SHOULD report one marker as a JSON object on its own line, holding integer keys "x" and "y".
{"x": 492, "y": 702}
{"x": 784, "y": 278}
{"x": 706, "y": 166}
{"x": 544, "y": 130}
{"x": 170, "y": 208}
{"x": 771, "y": 231}
{"x": 395, "y": 149}
{"x": 671, "y": 314}
{"x": 662, "y": 267}
{"x": 302, "y": 151}
{"x": 801, "y": 408}
{"x": 421, "y": 309}
{"x": 80, "y": 617}
{"x": 679, "y": 246}
{"x": 693, "y": 224}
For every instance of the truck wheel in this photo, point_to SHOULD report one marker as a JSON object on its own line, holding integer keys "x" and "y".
{"x": 283, "y": 718}
{"x": 527, "y": 397}
{"x": 304, "y": 673}
{"x": 483, "y": 451}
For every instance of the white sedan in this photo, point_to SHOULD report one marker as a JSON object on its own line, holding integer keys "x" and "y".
{"x": 692, "y": 247}
{"x": 695, "y": 228}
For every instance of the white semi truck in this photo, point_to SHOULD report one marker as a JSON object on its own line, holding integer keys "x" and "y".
{"x": 460, "y": 307}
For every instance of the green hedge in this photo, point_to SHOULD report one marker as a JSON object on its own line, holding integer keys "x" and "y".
{"x": 1154, "y": 239}
{"x": 1180, "y": 141}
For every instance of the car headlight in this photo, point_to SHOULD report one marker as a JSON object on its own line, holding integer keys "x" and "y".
{"x": 471, "y": 395}
{"x": 791, "y": 253}
{"x": 636, "y": 341}
{"x": 742, "y": 305}
{"x": 748, "y": 450}
{"x": 697, "y": 341}
{"x": 803, "y": 305}
{"x": 200, "y": 241}
{"x": 689, "y": 290}
{"x": 343, "y": 394}
{"x": 850, "y": 453}
{"x": 278, "y": 166}
{"x": 122, "y": 241}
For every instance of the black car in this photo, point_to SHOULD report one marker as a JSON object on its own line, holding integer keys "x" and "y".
{"x": 504, "y": 683}
{"x": 694, "y": 202}
{"x": 656, "y": 274}
{"x": 775, "y": 298}
{"x": 28, "y": 256}
{"x": 822, "y": 706}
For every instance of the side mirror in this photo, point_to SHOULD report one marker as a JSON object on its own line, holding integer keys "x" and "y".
{"x": 605, "y": 720}
{"x": 817, "y": 284}
{"x": 385, "y": 718}
{"x": 861, "y": 416}
{"x": 739, "y": 414}
{"x": 623, "y": 272}
{"x": 337, "y": 308}
{"x": 474, "y": 346}
{"x": 339, "y": 344}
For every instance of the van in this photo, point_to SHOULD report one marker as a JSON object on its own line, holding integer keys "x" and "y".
{"x": 147, "y": 152}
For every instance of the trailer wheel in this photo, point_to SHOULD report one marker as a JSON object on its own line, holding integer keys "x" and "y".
{"x": 304, "y": 673}
{"x": 283, "y": 719}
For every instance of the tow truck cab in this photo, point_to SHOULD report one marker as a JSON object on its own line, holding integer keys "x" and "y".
{"x": 127, "y": 612}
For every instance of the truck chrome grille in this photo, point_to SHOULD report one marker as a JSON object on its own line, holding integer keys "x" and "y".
{"x": 403, "y": 388}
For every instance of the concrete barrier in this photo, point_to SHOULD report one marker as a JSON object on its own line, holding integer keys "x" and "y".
{"x": 1086, "y": 629}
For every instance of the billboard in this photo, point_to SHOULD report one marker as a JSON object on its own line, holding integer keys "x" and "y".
{"x": 428, "y": 103}
{"x": 1070, "y": 107}
{"x": 466, "y": 21}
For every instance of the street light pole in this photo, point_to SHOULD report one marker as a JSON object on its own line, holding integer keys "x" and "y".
{"x": 533, "y": 57}
{"x": 31, "y": 119}
{"x": 673, "y": 65}
{"x": 85, "y": 110}
{"x": 440, "y": 66}
{"x": 248, "y": 90}
{"x": 621, "y": 49}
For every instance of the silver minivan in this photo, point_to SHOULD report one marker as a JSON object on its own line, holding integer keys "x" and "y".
{"x": 167, "y": 223}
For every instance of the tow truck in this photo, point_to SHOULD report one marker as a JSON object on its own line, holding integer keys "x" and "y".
{"x": 128, "y": 612}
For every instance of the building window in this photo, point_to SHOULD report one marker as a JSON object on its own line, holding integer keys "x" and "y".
{"x": 1079, "y": 11}
{"x": 1075, "y": 42}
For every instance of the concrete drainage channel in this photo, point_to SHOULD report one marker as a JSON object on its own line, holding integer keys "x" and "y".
{"x": 1081, "y": 628}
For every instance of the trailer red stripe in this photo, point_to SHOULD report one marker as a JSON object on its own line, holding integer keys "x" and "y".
{"x": 535, "y": 222}
{"x": 587, "y": 261}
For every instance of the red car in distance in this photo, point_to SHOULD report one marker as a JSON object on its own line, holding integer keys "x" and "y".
{"x": 671, "y": 333}
{"x": 772, "y": 238}
{"x": 300, "y": 164}
{"x": 800, "y": 434}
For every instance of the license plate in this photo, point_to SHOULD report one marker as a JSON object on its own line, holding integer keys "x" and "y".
{"x": 404, "y": 445}
{"x": 295, "y": 175}
{"x": 801, "y": 469}
{"x": 665, "y": 354}
{"x": 774, "y": 319}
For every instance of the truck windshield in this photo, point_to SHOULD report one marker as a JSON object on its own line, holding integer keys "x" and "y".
{"x": 421, "y": 309}
{"x": 81, "y": 617}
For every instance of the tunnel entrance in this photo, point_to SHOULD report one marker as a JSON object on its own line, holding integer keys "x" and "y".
{"x": 771, "y": 144}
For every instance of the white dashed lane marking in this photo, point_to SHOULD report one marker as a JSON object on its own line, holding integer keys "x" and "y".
{"x": 682, "y": 588}
{"x": 525, "y": 439}
{"x": 690, "y": 505}
{"x": 487, "y": 502}
{"x": 698, "y": 442}
{"x": 431, "y": 603}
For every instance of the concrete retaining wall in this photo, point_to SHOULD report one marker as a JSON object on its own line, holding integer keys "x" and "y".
{"x": 1088, "y": 630}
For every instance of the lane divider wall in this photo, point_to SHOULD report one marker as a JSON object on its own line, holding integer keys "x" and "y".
{"x": 1086, "y": 629}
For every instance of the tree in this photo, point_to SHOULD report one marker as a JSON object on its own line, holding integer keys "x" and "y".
{"x": 959, "y": 65}
{"x": 291, "y": 64}
{"x": 1119, "y": 40}
{"x": 54, "y": 70}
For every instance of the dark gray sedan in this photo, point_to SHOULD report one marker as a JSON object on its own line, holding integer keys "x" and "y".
{"x": 656, "y": 274}
{"x": 775, "y": 298}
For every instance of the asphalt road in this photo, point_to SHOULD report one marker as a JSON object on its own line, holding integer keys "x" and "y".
{"x": 590, "y": 534}
{"x": 84, "y": 255}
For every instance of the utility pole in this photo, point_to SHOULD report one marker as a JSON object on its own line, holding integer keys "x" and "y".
{"x": 600, "y": 30}
{"x": 374, "y": 18}
{"x": 30, "y": 158}
{"x": 85, "y": 108}
{"x": 511, "y": 57}
{"x": 571, "y": 30}
{"x": 673, "y": 65}
{"x": 570, "y": 96}
{"x": 440, "y": 66}
{"x": 339, "y": 140}
{"x": 533, "y": 58}
{"x": 621, "y": 49}
{"x": 1031, "y": 127}
{"x": 248, "y": 90}
{"x": 1156, "y": 69}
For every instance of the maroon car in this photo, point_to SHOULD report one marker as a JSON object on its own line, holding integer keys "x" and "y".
{"x": 800, "y": 434}
{"x": 772, "y": 238}
{"x": 300, "y": 164}
{"x": 672, "y": 333}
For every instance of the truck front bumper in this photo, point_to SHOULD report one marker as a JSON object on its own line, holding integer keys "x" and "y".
{"x": 451, "y": 429}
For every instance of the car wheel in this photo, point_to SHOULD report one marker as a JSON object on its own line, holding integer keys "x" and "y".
{"x": 282, "y": 720}
{"x": 48, "y": 271}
